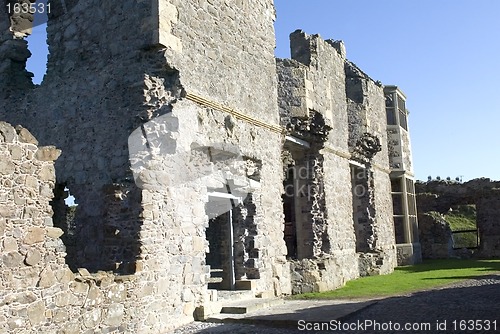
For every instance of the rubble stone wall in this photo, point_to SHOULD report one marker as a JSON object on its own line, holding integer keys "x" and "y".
{"x": 114, "y": 70}
{"x": 157, "y": 106}
{"x": 440, "y": 196}
{"x": 223, "y": 46}
{"x": 488, "y": 223}
{"x": 366, "y": 114}
{"x": 319, "y": 79}
{"x": 14, "y": 26}
{"x": 435, "y": 236}
{"x": 318, "y": 84}
{"x": 38, "y": 291}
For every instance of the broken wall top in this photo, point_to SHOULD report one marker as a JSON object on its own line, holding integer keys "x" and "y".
{"x": 317, "y": 66}
{"x": 223, "y": 50}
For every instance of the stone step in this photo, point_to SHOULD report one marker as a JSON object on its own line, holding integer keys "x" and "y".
{"x": 226, "y": 295}
{"x": 214, "y": 280}
{"x": 245, "y": 284}
{"x": 217, "y": 283}
{"x": 243, "y": 307}
{"x": 235, "y": 302}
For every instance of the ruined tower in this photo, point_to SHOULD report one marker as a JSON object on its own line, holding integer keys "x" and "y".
{"x": 402, "y": 177}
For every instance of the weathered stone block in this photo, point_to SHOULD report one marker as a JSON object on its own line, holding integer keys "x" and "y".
{"x": 71, "y": 328}
{"x": 33, "y": 257}
{"x": 48, "y": 153}
{"x": 199, "y": 244}
{"x": 47, "y": 173}
{"x": 31, "y": 212}
{"x": 65, "y": 275}
{"x": 16, "y": 152}
{"x": 22, "y": 298}
{"x": 7, "y": 212}
{"x": 54, "y": 232}
{"x": 36, "y": 313}
{"x": 114, "y": 315}
{"x": 47, "y": 278}
{"x": 7, "y": 133}
{"x": 63, "y": 299}
{"x": 10, "y": 244}
{"x": 7, "y": 167}
{"x": 15, "y": 322}
{"x": 92, "y": 318}
{"x": 34, "y": 235}
{"x": 60, "y": 315}
{"x": 95, "y": 297}
{"x": 12, "y": 259}
{"x": 117, "y": 293}
{"x": 25, "y": 136}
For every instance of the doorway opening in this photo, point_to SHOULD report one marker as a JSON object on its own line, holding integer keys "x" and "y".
{"x": 220, "y": 236}
{"x": 290, "y": 230}
{"x": 233, "y": 256}
{"x": 65, "y": 206}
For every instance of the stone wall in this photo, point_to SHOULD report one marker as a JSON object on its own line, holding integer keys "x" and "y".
{"x": 488, "y": 207}
{"x": 312, "y": 105}
{"x": 13, "y": 48}
{"x": 441, "y": 196}
{"x": 321, "y": 93}
{"x": 39, "y": 293}
{"x": 123, "y": 77}
{"x": 168, "y": 114}
{"x": 368, "y": 145}
{"x": 435, "y": 236}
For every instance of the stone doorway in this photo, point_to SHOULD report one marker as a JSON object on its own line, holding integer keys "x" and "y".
{"x": 221, "y": 238}
{"x": 232, "y": 256}
{"x": 289, "y": 204}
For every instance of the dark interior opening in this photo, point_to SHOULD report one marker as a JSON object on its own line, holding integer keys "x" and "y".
{"x": 290, "y": 230}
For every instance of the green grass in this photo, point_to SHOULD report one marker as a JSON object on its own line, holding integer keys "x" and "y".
{"x": 463, "y": 217}
{"x": 424, "y": 276}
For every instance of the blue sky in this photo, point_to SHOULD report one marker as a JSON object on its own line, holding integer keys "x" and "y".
{"x": 445, "y": 56}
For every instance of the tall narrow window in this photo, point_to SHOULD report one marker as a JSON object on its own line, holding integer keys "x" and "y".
{"x": 37, "y": 63}
{"x": 398, "y": 210}
{"x": 37, "y": 41}
{"x": 390, "y": 110}
{"x": 363, "y": 211}
{"x": 289, "y": 211}
{"x": 402, "y": 113}
{"x": 412, "y": 208}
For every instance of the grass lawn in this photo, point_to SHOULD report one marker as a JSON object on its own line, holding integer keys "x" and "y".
{"x": 430, "y": 274}
{"x": 463, "y": 218}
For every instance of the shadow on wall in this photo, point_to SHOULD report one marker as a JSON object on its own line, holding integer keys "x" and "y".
{"x": 104, "y": 232}
{"x": 112, "y": 243}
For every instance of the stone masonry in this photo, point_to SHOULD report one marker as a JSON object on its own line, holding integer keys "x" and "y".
{"x": 440, "y": 196}
{"x": 188, "y": 75}
{"x": 329, "y": 103}
{"x": 39, "y": 291}
{"x": 187, "y": 147}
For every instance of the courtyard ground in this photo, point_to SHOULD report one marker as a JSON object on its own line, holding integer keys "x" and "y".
{"x": 469, "y": 306}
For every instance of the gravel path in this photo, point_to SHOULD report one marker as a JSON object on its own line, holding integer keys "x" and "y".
{"x": 466, "y": 307}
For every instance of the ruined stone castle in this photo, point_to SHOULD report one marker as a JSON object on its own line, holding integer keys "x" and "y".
{"x": 201, "y": 165}
{"x": 438, "y": 197}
